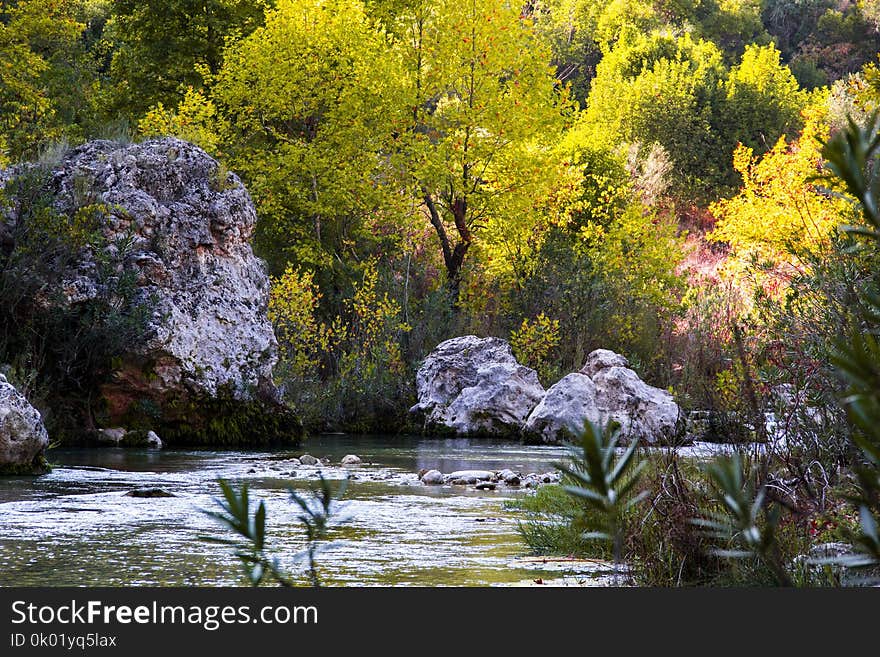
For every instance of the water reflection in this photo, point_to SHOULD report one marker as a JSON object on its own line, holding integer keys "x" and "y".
{"x": 76, "y": 526}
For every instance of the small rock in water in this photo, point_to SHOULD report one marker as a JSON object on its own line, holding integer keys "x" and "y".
{"x": 112, "y": 436}
{"x": 507, "y": 475}
{"x": 325, "y": 461}
{"x": 462, "y": 482}
{"x": 294, "y": 462}
{"x": 308, "y": 459}
{"x": 153, "y": 440}
{"x": 350, "y": 459}
{"x": 149, "y": 492}
{"x": 486, "y": 485}
{"x": 433, "y": 478}
{"x": 474, "y": 475}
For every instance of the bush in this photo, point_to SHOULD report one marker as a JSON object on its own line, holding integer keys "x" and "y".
{"x": 66, "y": 332}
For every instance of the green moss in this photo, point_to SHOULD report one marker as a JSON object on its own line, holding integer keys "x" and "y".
{"x": 221, "y": 422}
{"x": 38, "y": 466}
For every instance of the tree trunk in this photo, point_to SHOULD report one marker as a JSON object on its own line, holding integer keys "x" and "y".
{"x": 453, "y": 256}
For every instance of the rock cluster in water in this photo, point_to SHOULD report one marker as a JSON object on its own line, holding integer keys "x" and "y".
{"x": 475, "y": 386}
{"x": 23, "y": 437}
{"x": 488, "y": 479}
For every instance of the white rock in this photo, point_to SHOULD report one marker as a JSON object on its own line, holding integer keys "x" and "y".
{"x": 644, "y": 412}
{"x": 433, "y": 478}
{"x": 471, "y": 475}
{"x": 23, "y": 438}
{"x": 601, "y": 359}
{"x": 153, "y": 440}
{"x": 610, "y": 392}
{"x": 350, "y": 459}
{"x": 208, "y": 334}
{"x": 475, "y": 386}
{"x": 308, "y": 459}
{"x": 112, "y": 436}
{"x": 562, "y": 412}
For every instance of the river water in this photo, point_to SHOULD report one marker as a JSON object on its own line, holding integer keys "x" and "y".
{"x": 76, "y": 526}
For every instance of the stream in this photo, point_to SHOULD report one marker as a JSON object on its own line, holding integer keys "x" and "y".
{"x": 77, "y": 527}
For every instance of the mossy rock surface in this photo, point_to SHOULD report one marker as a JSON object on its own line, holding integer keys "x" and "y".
{"x": 38, "y": 466}
{"x": 225, "y": 422}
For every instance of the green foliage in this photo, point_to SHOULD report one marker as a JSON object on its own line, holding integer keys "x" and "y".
{"x": 748, "y": 524}
{"x": 604, "y": 484}
{"x": 253, "y": 551}
{"x": 763, "y": 99}
{"x": 308, "y": 105}
{"x": 348, "y": 372}
{"x": 70, "y": 337}
{"x": 486, "y": 113}
{"x": 676, "y": 91}
{"x": 161, "y": 47}
{"x": 194, "y": 119}
{"x": 852, "y": 157}
{"x": 534, "y": 342}
{"x": 553, "y": 524}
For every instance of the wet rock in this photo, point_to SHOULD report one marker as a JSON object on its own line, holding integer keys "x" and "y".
{"x": 149, "y": 493}
{"x": 486, "y": 485}
{"x": 433, "y": 478}
{"x": 119, "y": 437}
{"x": 475, "y": 386}
{"x": 308, "y": 459}
{"x": 294, "y": 462}
{"x": 472, "y": 476}
{"x": 23, "y": 438}
{"x": 153, "y": 440}
{"x": 606, "y": 390}
{"x": 509, "y": 477}
{"x": 350, "y": 459}
{"x": 111, "y": 436}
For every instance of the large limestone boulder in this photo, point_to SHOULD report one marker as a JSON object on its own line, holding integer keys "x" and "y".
{"x": 563, "y": 410}
{"x": 606, "y": 389}
{"x": 209, "y": 348}
{"x": 23, "y": 438}
{"x": 475, "y": 386}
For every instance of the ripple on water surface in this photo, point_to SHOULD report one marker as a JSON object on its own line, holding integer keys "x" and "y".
{"x": 76, "y": 526}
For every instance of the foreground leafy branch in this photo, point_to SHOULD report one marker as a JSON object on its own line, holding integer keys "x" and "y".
{"x": 603, "y": 484}
{"x": 250, "y": 546}
{"x": 853, "y": 156}
{"x": 747, "y": 524}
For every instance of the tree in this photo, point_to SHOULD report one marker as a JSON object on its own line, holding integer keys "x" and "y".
{"x": 485, "y": 114}
{"x": 309, "y": 105}
{"x": 763, "y": 100}
{"x": 164, "y": 46}
{"x": 678, "y": 93}
{"x": 47, "y": 77}
{"x": 780, "y": 213}
{"x": 662, "y": 89}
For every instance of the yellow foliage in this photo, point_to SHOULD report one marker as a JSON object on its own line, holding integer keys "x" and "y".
{"x": 533, "y": 343}
{"x": 302, "y": 339}
{"x": 193, "y": 120}
{"x": 781, "y": 212}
